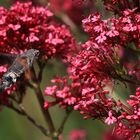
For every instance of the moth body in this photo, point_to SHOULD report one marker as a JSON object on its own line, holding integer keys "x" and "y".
{"x": 21, "y": 63}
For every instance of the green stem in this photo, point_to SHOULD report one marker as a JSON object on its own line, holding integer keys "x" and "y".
{"x": 45, "y": 112}
{"x": 60, "y": 130}
{"x": 24, "y": 113}
{"x": 37, "y": 89}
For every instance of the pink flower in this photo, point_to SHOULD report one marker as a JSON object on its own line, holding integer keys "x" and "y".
{"x": 111, "y": 119}
{"x": 112, "y": 33}
{"x": 50, "y": 90}
{"x": 101, "y": 38}
{"x": 32, "y": 38}
{"x": 54, "y": 40}
{"x": 129, "y": 27}
{"x": 87, "y": 90}
{"x": 3, "y": 69}
{"x": 70, "y": 100}
{"x": 62, "y": 93}
{"x": 98, "y": 28}
{"x": 25, "y": 18}
{"x": 2, "y": 20}
{"x": 3, "y": 33}
{"x": 46, "y": 105}
{"x": 14, "y": 27}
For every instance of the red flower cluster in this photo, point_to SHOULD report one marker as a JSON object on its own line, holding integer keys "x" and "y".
{"x": 116, "y": 34}
{"x": 114, "y": 31}
{"x": 61, "y": 93}
{"x": 91, "y": 69}
{"x": 24, "y": 26}
{"x": 94, "y": 67}
{"x": 98, "y": 105}
{"x": 128, "y": 122}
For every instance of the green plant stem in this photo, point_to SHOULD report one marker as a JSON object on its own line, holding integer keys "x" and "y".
{"x": 45, "y": 112}
{"x": 60, "y": 130}
{"x": 24, "y": 113}
{"x": 37, "y": 89}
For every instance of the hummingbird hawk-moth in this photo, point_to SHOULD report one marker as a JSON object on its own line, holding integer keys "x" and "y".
{"x": 19, "y": 64}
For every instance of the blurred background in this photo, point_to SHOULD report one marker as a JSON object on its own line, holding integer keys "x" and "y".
{"x": 16, "y": 127}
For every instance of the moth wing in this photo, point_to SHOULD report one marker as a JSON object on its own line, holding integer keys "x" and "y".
{"x": 7, "y": 58}
{"x": 19, "y": 66}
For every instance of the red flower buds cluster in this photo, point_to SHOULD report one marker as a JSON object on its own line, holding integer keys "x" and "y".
{"x": 24, "y": 26}
{"x": 94, "y": 67}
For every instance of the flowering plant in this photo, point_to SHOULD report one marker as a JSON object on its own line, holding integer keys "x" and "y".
{"x": 109, "y": 55}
